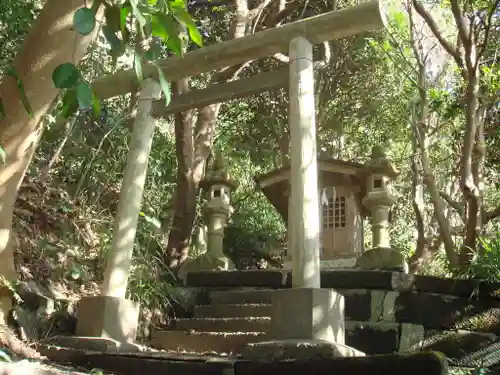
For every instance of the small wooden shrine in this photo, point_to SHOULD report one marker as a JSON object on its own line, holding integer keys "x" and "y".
{"x": 343, "y": 187}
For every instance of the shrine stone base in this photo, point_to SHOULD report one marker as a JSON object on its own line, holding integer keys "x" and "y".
{"x": 108, "y": 317}
{"x": 305, "y": 323}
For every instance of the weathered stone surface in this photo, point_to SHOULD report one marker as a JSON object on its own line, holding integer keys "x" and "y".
{"x": 447, "y": 312}
{"x": 226, "y": 297}
{"x": 463, "y": 288}
{"x": 356, "y": 279}
{"x": 98, "y": 344}
{"x": 411, "y": 337}
{"x": 279, "y": 350}
{"x": 232, "y": 310}
{"x": 373, "y": 338}
{"x": 357, "y": 304}
{"x": 131, "y": 365}
{"x": 203, "y": 342}
{"x": 307, "y": 314}
{"x": 415, "y": 364}
{"x": 225, "y": 279}
{"x": 458, "y": 345}
{"x": 241, "y": 324}
{"x": 382, "y": 258}
{"x": 105, "y": 316}
{"x": 383, "y": 305}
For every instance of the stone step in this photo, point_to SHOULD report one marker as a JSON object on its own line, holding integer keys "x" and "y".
{"x": 231, "y": 297}
{"x": 232, "y": 310}
{"x": 247, "y": 324}
{"x": 203, "y": 342}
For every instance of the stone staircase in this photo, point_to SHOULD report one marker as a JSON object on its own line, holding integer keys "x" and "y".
{"x": 230, "y": 320}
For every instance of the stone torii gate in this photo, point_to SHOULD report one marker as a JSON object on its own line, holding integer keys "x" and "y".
{"x": 296, "y": 39}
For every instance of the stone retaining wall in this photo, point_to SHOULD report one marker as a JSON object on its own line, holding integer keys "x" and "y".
{"x": 389, "y": 312}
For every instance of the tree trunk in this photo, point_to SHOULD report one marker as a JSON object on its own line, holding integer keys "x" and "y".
{"x": 193, "y": 148}
{"x": 471, "y": 167}
{"x": 419, "y": 258}
{"x": 186, "y": 188}
{"x": 50, "y": 42}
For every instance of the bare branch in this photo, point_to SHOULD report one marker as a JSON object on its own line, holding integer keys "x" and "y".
{"x": 453, "y": 51}
{"x": 463, "y": 28}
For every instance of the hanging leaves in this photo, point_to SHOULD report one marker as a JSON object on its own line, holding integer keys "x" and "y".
{"x": 184, "y": 17}
{"x": 84, "y": 95}
{"x": 66, "y": 76}
{"x": 84, "y": 21}
{"x": 165, "y": 87}
{"x": 69, "y": 103}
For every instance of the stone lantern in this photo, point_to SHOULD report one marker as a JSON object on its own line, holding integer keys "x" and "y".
{"x": 219, "y": 186}
{"x": 379, "y": 198}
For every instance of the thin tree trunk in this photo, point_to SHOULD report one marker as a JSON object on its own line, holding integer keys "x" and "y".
{"x": 193, "y": 147}
{"x": 419, "y": 258}
{"x": 69, "y": 125}
{"x": 186, "y": 188}
{"x": 50, "y": 42}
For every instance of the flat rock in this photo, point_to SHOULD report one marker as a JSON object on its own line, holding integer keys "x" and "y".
{"x": 95, "y": 344}
{"x": 298, "y": 349}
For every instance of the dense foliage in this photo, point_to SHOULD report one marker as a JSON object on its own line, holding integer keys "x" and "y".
{"x": 372, "y": 91}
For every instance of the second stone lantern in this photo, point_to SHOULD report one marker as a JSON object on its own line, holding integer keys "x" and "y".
{"x": 219, "y": 185}
{"x": 379, "y": 198}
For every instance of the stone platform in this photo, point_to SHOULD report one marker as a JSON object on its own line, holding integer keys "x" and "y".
{"x": 385, "y": 312}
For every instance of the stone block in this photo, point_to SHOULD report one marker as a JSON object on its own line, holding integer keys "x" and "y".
{"x": 281, "y": 350}
{"x": 382, "y": 258}
{"x": 228, "y": 279}
{"x": 383, "y": 304}
{"x": 462, "y": 288}
{"x": 93, "y": 344}
{"x": 307, "y": 314}
{"x": 412, "y": 337}
{"x": 447, "y": 312}
{"x": 109, "y": 317}
{"x": 357, "y": 304}
{"x": 413, "y": 364}
{"x": 356, "y": 279}
{"x": 373, "y": 337}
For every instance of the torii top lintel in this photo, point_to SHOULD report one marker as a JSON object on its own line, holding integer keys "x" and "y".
{"x": 318, "y": 29}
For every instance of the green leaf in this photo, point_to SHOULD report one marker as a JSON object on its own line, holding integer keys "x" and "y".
{"x": 117, "y": 46}
{"x": 185, "y": 18}
{"x": 4, "y": 357}
{"x": 70, "y": 103}
{"x": 84, "y": 21}
{"x": 112, "y": 14}
{"x": 157, "y": 28}
{"x": 125, "y": 10}
{"x": 84, "y": 95}
{"x": 174, "y": 43}
{"x": 75, "y": 273}
{"x": 96, "y": 105}
{"x": 66, "y": 76}
{"x": 165, "y": 87}
{"x": 153, "y": 53}
{"x": 24, "y": 99}
{"x": 3, "y": 155}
